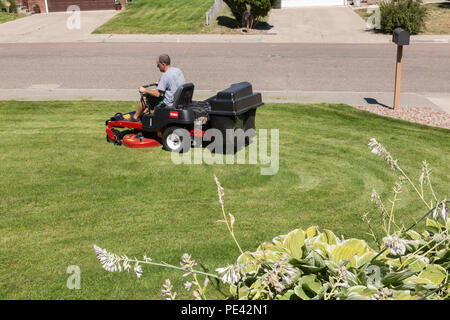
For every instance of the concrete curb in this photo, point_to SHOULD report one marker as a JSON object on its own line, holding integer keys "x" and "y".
{"x": 424, "y": 100}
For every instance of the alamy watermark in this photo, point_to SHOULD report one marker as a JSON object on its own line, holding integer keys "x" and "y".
{"x": 374, "y": 20}
{"x": 74, "y": 20}
{"x": 229, "y": 148}
{"x": 74, "y": 280}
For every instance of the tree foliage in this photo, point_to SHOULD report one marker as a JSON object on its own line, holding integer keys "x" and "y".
{"x": 407, "y": 14}
{"x": 256, "y": 10}
{"x": 12, "y": 8}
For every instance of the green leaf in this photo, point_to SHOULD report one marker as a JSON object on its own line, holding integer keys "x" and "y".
{"x": 433, "y": 226}
{"x": 328, "y": 237}
{"x": 417, "y": 280}
{"x": 270, "y": 252}
{"x": 366, "y": 257}
{"x": 320, "y": 247}
{"x": 393, "y": 278}
{"x": 333, "y": 266}
{"x": 360, "y": 293}
{"x": 314, "y": 259}
{"x": 434, "y": 273}
{"x": 294, "y": 242}
{"x": 243, "y": 293}
{"x": 413, "y": 235}
{"x": 404, "y": 295}
{"x": 434, "y": 223}
{"x": 348, "y": 249}
{"x": 308, "y": 287}
{"x": 443, "y": 255}
{"x": 417, "y": 265}
{"x": 278, "y": 241}
{"x": 288, "y": 295}
{"x": 312, "y": 231}
{"x": 249, "y": 262}
{"x": 413, "y": 245}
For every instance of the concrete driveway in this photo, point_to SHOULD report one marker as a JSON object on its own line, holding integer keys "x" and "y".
{"x": 337, "y": 24}
{"x": 53, "y": 27}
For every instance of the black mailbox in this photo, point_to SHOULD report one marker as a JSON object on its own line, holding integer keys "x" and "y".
{"x": 400, "y": 37}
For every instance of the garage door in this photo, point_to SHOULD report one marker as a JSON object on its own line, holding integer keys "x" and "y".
{"x": 312, "y": 3}
{"x": 62, "y": 5}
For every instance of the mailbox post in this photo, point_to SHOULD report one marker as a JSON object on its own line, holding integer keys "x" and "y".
{"x": 401, "y": 38}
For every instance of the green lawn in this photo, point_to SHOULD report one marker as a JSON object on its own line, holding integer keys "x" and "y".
{"x": 63, "y": 189}
{"x": 438, "y": 18}
{"x": 5, "y": 17}
{"x": 159, "y": 16}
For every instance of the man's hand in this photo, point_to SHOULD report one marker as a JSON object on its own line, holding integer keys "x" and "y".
{"x": 142, "y": 89}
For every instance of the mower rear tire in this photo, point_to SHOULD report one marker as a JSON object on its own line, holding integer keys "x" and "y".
{"x": 176, "y": 139}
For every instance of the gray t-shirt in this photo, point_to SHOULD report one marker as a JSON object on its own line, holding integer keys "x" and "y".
{"x": 169, "y": 83}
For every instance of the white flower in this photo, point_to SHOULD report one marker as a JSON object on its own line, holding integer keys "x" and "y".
{"x": 383, "y": 294}
{"x": 289, "y": 273}
{"x": 166, "y": 292}
{"x": 197, "y": 295}
{"x": 138, "y": 270}
{"x": 440, "y": 211}
{"x": 188, "y": 285}
{"x": 376, "y": 148}
{"x": 205, "y": 283}
{"x": 126, "y": 265}
{"x": 220, "y": 190}
{"x": 395, "y": 245}
{"x": 272, "y": 279}
{"x": 109, "y": 261}
{"x": 230, "y": 274}
{"x": 231, "y": 220}
{"x": 187, "y": 262}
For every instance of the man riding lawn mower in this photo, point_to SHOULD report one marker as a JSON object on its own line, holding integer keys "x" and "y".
{"x": 174, "y": 124}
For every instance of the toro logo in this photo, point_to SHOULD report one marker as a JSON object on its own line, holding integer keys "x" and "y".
{"x": 173, "y": 114}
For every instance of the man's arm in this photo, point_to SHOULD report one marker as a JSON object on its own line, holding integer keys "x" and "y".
{"x": 154, "y": 93}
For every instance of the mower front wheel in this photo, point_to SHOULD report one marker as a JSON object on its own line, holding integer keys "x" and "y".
{"x": 176, "y": 139}
{"x": 116, "y": 140}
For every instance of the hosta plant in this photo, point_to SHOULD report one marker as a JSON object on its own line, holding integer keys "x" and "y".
{"x": 314, "y": 264}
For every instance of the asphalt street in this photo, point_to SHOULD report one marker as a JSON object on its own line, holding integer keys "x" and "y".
{"x": 278, "y": 67}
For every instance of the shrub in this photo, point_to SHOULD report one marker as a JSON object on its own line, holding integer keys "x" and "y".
{"x": 407, "y": 14}
{"x": 257, "y": 9}
{"x": 261, "y": 8}
{"x": 12, "y": 7}
{"x": 237, "y": 8}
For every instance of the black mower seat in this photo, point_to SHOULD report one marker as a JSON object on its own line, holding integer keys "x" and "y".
{"x": 183, "y": 95}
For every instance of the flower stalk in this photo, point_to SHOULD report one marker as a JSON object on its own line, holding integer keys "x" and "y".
{"x": 230, "y": 224}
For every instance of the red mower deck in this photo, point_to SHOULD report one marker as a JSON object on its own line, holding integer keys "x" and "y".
{"x": 131, "y": 141}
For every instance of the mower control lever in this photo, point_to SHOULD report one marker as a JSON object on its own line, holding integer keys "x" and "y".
{"x": 150, "y": 85}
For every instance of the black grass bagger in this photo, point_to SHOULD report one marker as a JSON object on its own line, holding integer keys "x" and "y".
{"x": 173, "y": 127}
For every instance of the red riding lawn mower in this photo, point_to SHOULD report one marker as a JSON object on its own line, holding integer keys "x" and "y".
{"x": 173, "y": 127}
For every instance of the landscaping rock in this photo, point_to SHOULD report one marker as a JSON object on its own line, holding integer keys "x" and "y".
{"x": 427, "y": 116}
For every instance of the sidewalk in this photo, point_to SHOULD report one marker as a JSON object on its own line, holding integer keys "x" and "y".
{"x": 52, "y": 27}
{"x": 436, "y": 101}
{"x": 291, "y": 25}
{"x": 322, "y": 24}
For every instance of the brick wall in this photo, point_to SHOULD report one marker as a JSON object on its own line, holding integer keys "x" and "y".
{"x": 61, "y": 5}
